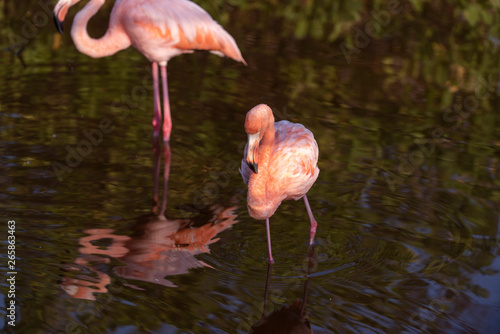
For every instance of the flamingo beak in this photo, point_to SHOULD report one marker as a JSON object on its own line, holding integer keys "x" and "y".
{"x": 59, "y": 24}
{"x": 253, "y": 152}
{"x": 60, "y": 11}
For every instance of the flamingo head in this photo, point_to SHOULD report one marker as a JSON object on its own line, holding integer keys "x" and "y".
{"x": 60, "y": 11}
{"x": 255, "y": 124}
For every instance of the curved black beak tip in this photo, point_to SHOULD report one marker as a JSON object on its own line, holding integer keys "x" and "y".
{"x": 59, "y": 24}
{"x": 254, "y": 167}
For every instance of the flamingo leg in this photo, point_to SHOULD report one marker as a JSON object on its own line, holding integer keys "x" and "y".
{"x": 157, "y": 111}
{"x": 166, "y": 173}
{"x": 314, "y": 224}
{"x": 156, "y": 151}
{"x": 268, "y": 279}
{"x": 271, "y": 260}
{"x": 167, "y": 121}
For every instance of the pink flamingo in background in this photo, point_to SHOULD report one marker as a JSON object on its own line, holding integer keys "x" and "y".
{"x": 159, "y": 29}
{"x": 280, "y": 162}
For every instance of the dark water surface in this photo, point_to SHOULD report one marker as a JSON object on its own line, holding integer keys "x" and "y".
{"x": 407, "y": 200}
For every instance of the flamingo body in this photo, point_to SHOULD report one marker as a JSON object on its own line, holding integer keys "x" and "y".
{"x": 159, "y": 29}
{"x": 280, "y": 163}
{"x": 291, "y": 171}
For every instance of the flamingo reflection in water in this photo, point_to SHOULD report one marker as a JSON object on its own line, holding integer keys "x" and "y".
{"x": 288, "y": 319}
{"x": 160, "y": 246}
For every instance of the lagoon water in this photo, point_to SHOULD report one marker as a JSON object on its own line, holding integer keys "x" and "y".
{"x": 403, "y": 100}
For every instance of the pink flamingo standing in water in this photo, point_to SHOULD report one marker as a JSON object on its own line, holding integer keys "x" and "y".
{"x": 159, "y": 29}
{"x": 280, "y": 162}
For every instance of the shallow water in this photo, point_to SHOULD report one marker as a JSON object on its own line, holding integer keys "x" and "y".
{"x": 407, "y": 200}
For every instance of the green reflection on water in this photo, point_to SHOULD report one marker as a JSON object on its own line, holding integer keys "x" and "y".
{"x": 407, "y": 198}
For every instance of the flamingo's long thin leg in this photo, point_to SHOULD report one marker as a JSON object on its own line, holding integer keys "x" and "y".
{"x": 156, "y": 151}
{"x": 314, "y": 224}
{"x": 268, "y": 279}
{"x": 166, "y": 173}
{"x": 156, "y": 92}
{"x": 271, "y": 260}
{"x": 167, "y": 121}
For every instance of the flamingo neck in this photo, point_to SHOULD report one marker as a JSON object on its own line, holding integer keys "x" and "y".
{"x": 262, "y": 202}
{"x": 266, "y": 147}
{"x": 114, "y": 40}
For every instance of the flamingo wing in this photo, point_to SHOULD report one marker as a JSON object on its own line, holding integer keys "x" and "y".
{"x": 180, "y": 25}
{"x": 293, "y": 168}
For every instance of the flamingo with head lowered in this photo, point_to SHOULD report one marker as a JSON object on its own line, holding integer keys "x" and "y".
{"x": 159, "y": 29}
{"x": 280, "y": 163}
